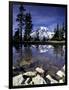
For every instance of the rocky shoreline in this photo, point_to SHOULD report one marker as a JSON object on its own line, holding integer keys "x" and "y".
{"x": 39, "y": 76}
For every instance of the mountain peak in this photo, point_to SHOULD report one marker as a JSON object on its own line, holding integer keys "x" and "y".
{"x": 43, "y": 28}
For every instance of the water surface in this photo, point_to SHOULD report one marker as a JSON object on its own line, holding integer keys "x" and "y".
{"x": 48, "y": 57}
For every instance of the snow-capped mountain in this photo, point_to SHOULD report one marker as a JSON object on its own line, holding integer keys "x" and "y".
{"x": 42, "y": 32}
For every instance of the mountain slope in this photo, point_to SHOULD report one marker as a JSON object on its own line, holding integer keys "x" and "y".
{"x": 42, "y": 32}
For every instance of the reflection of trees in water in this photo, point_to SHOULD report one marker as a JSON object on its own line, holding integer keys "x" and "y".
{"x": 58, "y": 50}
{"x": 27, "y": 56}
{"x": 27, "y": 53}
{"x": 37, "y": 46}
{"x": 18, "y": 48}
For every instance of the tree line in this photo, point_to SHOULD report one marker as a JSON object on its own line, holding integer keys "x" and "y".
{"x": 59, "y": 33}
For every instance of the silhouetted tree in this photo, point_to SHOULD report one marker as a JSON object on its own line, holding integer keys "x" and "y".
{"x": 16, "y": 36}
{"x": 37, "y": 36}
{"x": 59, "y": 33}
{"x": 56, "y": 35}
{"x": 28, "y": 27}
{"x": 62, "y": 32}
{"x": 21, "y": 20}
{"x": 44, "y": 39}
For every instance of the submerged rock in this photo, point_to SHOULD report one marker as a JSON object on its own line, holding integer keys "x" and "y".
{"x": 56, "y": 77}
{"x": 51, "y": 79}
{"x": 47, "y": 80}
{"x": 63, "y": 68}
{"x": 39, "y": 70}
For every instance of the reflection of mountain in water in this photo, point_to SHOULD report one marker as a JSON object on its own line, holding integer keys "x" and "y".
{"x": 58, "y": 49}
{"x": 43, "y": 48}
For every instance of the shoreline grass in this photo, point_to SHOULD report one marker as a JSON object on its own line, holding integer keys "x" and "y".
{"x": 45, "y": 42}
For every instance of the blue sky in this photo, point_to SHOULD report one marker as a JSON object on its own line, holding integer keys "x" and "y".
{"x": 47, "y": 16}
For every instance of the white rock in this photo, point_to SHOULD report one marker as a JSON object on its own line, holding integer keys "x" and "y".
{"x": 17, "y": 80}
{"x": 64, "y": 67}
{"x": 30, "y": 73}
{"x": 60, "y": 73}
{"x": 61, "y": 81}
{"x": 26, "y": 81}
{"x": 40, "y": 70}
{"x": 51, "y": 79}
{"x": 38, "y": 80}
{"x": 13, "y": 67}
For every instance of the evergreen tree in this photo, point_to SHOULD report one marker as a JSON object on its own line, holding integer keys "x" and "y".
{"x": 44, "y": 39}
{"x": 21, "y": 20}
{"x": 16, "y": 36}
{"x": 37, "y": 34}
{"x": 59, "y": 33}
{"x": 56, "y": 35}
{"x": 28, "y": 27}
{"x": 62, "y": 32}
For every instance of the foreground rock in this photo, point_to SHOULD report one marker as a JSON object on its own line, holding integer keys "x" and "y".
{"x": 60, "y": 73}
{"x": 17, "y": 80}
{"x": 61, "y": 81}
{"x": 39, "y": 77}
{"x": 51, "y": 79}
{"x": 37, "y": 80}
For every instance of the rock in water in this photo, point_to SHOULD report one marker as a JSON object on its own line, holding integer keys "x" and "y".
{"x": 26, "y": 82}
{"x": 13, "y": 67}
{"x": 51, "y": 79}
{"x": 61, "y": 81}
{"x": 64, "y": 68}
{"x": 39, "y": 70}
{"x": 37, "y": 80}
{"x": 17, "y": 80}
{"x": 60, "y": 73}
{"x": 30, "y": 74}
